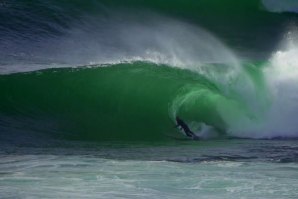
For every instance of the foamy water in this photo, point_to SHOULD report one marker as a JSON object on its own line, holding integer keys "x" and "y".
{"x": 235, "y": 169}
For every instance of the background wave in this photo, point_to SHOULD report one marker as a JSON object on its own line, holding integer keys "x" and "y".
{"x": 43, "y": 34}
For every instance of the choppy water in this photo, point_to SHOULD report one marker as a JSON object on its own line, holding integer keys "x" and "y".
{"x": 210, "y": 169}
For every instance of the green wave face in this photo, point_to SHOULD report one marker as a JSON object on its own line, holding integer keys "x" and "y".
{"x": 137, "y": 101}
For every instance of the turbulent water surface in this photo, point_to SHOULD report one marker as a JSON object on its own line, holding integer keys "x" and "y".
{"x": 89, "y": 93}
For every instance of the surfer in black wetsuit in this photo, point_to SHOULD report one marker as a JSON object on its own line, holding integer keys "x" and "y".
{"x": 183, "y": 125}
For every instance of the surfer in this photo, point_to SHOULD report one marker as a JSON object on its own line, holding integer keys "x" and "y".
{"x": 187, "y": 131}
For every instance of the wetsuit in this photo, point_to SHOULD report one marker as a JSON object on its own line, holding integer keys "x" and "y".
{"x": 185, "y": 128}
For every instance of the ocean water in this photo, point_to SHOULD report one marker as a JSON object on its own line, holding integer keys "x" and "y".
{"x": 89, "y": 93}
{"x": 209, "y": 169}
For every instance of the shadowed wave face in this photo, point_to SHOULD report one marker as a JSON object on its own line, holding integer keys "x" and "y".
{"x": 123, "y": 70}
{"x": 126, "y": 101}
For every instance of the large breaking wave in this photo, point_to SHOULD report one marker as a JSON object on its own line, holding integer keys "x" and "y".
{"x": 108, "y": 70}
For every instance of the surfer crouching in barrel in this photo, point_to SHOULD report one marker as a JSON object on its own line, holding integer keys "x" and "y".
{"x": 187, "y": 131}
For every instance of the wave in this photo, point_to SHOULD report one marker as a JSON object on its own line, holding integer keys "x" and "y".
{"x": 139, "y": 101}
{"x": 142, "y": 64}
{"x": 126, "y": 101}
